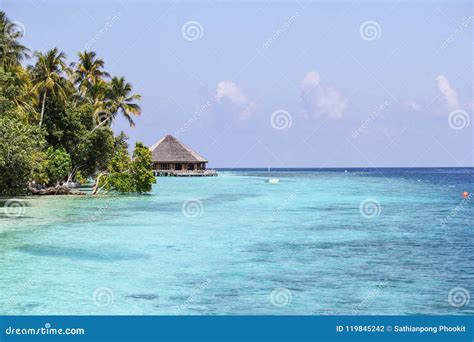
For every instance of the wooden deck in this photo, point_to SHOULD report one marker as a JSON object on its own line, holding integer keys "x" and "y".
{"x": 189, "y": 173}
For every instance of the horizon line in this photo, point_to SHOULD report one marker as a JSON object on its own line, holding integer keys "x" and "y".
{"x": 342, "y": 168}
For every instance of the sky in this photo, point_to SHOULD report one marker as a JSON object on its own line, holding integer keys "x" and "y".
{"x": 282, "y": 84}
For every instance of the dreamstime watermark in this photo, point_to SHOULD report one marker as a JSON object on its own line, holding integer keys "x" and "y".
{"x": 103, "y": 296}
{"x": 281, "y": 297}
{"x": 280, "y": 31}
{"x": 14, "y": 30}
{"x": 458, "y": 297}
{"x": 370, "y": 297}
{"x": 107, "y": 26}
{"x": 192, "y": 30}
{"x": 465, "y": 23}
{"x": 456, "y": 210}
{"x": 370, "y": 30}
{"x": 192, "y": 208}
{"x": 281, "y": 119}
{"x": 20, "y": 289}
{"x": 377, "y": 112}
{"x": 46, "y": 330}
{"x": 102, "y": 209}
{"x": 459, "y": 119}
{"x": 102, "y": 120}
{"x": 195, "y": 117}
{"x": 370, "y": 208}
{"x": 277, "y": 211}
{"x": 14, "y": 208}
{"x": 192, "y": 298}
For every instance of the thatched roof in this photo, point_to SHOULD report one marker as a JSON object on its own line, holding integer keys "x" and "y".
{"x": 171, "y": 150}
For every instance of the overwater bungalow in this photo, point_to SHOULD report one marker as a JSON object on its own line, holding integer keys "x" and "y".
{"x": 172, "y": 158}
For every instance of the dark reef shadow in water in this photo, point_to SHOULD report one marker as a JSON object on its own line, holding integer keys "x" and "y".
{"x": 219, "y": 198}
{"x": 79, "y": 254}
{"x": 177, "y": 206}
{"x": 144, "y": 296}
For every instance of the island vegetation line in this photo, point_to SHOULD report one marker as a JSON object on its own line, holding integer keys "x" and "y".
{"x": 55, "y": 120}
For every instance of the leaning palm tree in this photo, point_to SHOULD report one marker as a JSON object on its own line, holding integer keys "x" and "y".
{"x": 118, "y": 97}
{"x": 11, "y": 51}
{"x": 88, "y": 75}
{"x": 49, "y": 77}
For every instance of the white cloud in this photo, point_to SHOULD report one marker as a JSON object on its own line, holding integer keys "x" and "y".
{"x": 311, "y": 80}
{"x": 323, "y": 100}
{"x": 449, "y": 94}
{"x": 230, "y": 92}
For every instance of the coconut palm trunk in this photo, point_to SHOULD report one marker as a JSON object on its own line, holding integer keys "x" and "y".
{"x": 42, "y": 107}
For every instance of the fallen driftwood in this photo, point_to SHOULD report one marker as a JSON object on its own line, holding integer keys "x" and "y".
{"x": 57, "y": 190}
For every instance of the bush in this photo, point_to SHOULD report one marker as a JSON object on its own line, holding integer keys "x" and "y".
{"x": 126, "y": 175}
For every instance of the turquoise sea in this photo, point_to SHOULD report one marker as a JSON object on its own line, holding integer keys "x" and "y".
{"x": 319, "y": 242}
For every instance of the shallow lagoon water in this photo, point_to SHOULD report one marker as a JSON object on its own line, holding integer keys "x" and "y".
{"x": 240, "y": 245}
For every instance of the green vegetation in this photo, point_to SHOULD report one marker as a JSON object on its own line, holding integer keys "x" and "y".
{"x": 19, "y": 145}
{"x": 55, "y": 122}
{"x": 141, "y": 173}
{"x": 58, "y": 164}
{"x": 125, "y": 174}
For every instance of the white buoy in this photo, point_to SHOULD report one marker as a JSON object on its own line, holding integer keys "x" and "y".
{"x": 273, "y": 181}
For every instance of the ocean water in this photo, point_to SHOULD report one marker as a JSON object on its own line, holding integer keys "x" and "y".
{"x": 320, "y": 242}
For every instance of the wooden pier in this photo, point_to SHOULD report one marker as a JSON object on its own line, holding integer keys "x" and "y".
{"x": 187, "y": 173}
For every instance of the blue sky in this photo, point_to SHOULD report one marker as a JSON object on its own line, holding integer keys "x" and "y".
{"x": 286, "y": 84}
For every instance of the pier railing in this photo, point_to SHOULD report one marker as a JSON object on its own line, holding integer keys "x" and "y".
{"x": 185, "y": 173}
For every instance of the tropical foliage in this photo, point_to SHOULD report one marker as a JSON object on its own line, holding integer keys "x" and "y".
{"x": 19, "y": 142}
{"x": 141, "y": 173}
{"x": 11, "y": 51}
{"x": 55, "y": 120}
{"x": 89, "y": 75}
{"x": 48, "y": 75}
{"x": 125, "y": 174}
{"x": 58, "y": 164}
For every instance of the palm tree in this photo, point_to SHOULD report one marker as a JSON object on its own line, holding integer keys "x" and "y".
{"x": 48, "y": 77}
{"x": 11, "y": 52}
{"x": 88, "y": 75}
{"x": 119, "y": 98}
{"x": 26, "y": 101}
